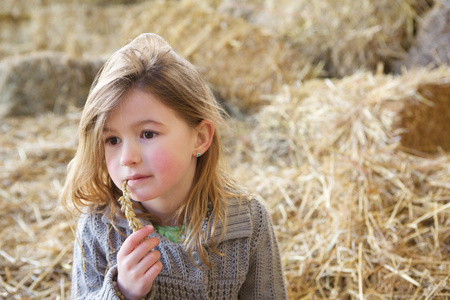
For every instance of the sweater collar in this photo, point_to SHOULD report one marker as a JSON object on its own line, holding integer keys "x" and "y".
{"x": 238, "y": 222}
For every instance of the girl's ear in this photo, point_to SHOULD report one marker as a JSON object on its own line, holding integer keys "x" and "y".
{"x": 205, "y": 133}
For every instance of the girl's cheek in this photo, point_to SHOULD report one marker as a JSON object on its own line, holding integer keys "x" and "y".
{"x": 162, "y": 161}
{"x": 112, "y": 166}
{"x": 168, "y": 164}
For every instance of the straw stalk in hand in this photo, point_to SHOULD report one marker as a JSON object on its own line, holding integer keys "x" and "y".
{"x": 127, "y": 209}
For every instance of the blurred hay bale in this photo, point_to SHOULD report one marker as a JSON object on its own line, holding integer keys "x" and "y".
{"x": 432, "y": 44}
{"x": 80, "y": 30}
{"x": 345, "y": 35}
{"x": 40, "y": 82}
{"x": 411, "y": 111}
{"x": 16, "y": 7}
{"x": 356, "y": 216}
{"x": 14, "y": 29}
{"x": 241, "y": 61}
{"x": 20, "y": 19}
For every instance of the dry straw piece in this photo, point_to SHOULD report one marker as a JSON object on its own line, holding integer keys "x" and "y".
{"x": 127, "y": 208}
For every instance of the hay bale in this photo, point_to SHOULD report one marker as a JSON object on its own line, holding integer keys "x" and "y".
{"x": 14, "y": 28}
{"x": 242, "y": 62}
{"x": 78, "y": 30}
{"x": 16, "y": 7}
{"x": 19, "y": 33}
{"x": 432, "y": 44}
{"x": 346, "y": 35}
{"x": 426, "y": 122}
{"x": 41, "y": 82}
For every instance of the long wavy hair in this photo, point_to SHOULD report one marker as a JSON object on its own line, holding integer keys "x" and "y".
{"x": 149, "y": 63}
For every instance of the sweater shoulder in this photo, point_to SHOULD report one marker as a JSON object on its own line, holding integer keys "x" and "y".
{"x": 90, "y": 223}
{"x": 261, "y": 221}
{"x": 244, "y": 217}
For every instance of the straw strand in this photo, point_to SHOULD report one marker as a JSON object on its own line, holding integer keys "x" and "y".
{"x": 127, "y": 208}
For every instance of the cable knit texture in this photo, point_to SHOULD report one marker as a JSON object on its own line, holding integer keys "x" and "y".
{"x": 250, "y": 268}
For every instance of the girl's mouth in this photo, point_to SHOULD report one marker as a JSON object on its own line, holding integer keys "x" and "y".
{"x": 135, "y": 180}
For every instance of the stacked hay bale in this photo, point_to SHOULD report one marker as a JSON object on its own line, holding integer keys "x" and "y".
{"x": 357, "y": 217}
{"x": 241, "y": 61}
{"x": 345, "y": 35}
{"x": 14, "y": 29}
{"x": 36, "y": 83}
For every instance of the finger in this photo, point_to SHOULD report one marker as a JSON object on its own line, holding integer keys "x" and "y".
{"x": 153, "y": 271}
{"x": 134, "y": 239}
{"x": 149, "y": 260}
{"x": 145, "y": 247}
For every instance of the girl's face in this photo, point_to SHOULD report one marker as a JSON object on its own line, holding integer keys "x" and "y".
{"x": 150, "y": 146}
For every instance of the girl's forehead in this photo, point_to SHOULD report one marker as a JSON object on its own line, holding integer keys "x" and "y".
{"x": 139, "y": 107}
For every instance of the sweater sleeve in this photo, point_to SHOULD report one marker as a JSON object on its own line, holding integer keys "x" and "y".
{"x": 265, "y": 279}
{"x": 92, "y": 277}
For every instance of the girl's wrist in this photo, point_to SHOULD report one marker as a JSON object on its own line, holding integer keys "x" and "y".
{"x": 119, "y": 293}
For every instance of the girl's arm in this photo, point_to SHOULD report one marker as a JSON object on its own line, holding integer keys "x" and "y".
{"x": 265, "y": 279}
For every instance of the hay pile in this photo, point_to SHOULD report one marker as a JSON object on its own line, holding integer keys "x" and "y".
{"x": 36, "y": 238}
{"x": 357, "y": 217}
{"x": 355, "y": 171}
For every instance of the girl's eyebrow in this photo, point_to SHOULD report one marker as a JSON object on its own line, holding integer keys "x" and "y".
{"x": 148, "y": 121}
{"x": 137, "y": 124}
{"x": 106, "y": 130}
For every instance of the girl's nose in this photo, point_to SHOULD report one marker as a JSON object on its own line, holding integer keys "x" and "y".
{"x": 131, "y": 154}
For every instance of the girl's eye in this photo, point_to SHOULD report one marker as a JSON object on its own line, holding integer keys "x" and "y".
{"x": 148, "y": 134}
{"x": 113, "y": 141}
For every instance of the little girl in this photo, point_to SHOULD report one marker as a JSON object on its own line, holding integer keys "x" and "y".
{"x": 150, "y": 130}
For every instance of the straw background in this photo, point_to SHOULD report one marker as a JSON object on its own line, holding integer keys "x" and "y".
{"x": 340, "y": 116}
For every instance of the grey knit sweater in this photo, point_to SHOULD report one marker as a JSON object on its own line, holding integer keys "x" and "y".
{"x": 249, "y": 269}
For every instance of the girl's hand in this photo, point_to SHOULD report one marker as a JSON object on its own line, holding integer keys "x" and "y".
{"x": 137, "y": 264}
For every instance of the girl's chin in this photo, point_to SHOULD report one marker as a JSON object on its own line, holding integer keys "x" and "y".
{"x": 140, "y": 198}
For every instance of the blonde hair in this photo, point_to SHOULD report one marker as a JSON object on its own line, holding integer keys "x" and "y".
{"x": 148, "y": 63}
